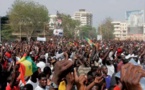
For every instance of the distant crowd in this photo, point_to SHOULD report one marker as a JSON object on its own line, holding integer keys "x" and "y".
{"x": 68, "y": 64}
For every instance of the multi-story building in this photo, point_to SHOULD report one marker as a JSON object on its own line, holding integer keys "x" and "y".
{"x": 84, "y": 17}
{"x": 120, "y": 30}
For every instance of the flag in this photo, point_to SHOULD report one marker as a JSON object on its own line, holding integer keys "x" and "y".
{"x": 62, "y": 85}
{"x": 76, "y": 43}
{"x": 89, "y": 41}
{"x": 27, "y": 67}
{"x": 70, "y": 43}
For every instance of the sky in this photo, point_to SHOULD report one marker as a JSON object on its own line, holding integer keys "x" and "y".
{"x": 101, "y": 9}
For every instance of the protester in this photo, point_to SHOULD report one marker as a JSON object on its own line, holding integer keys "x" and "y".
{"x": 67, "y": 64}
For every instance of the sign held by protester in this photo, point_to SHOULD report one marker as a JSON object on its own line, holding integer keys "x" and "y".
{"x": 99, "y": 37}
{"x": 58, "y": 32}
{"x": 41, "y": 39}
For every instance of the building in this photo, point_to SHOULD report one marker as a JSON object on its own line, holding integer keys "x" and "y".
{"x": 84, "y": 17}
{"x": 120, "y": 30}
{"x": 133, "y": 28}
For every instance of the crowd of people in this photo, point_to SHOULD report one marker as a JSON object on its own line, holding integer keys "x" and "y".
{"x": 67, "y": 64}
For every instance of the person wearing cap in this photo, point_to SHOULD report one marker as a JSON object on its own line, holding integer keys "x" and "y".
{"x": 41, "y": 64}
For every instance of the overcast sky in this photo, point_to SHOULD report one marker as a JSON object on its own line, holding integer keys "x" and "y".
{"x": 99, "y": 8}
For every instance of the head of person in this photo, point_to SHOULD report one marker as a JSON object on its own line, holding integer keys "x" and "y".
{"x": 101, "y": 54}
{"x": 98, "y": 72}
{"x": 42, "y": 80}
{"x": 32, "y": 54}
{"x": 42, "y": 58}
{"x": 92, "y": 63}
{"x": 35, "y": 74}
{"x": 28, "y": 87}
{"x": 126, "y": 52}
{"x": 47, "y": 71}
{"x": 94, "y": 68}
{"x": 104, "y": 69}
{"x": 39, "y": 70}
{"x": 109, "y": 61}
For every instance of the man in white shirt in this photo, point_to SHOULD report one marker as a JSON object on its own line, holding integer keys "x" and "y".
{"x": 42, "y": 82}
{"x": 33, "y": 80}
{"x": 110, "y": 67}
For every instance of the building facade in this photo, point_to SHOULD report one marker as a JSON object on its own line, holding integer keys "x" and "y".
{"x": 121, "y": 32}
{"x": 84, "y": 17}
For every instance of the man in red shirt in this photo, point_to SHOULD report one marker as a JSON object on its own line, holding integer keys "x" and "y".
{"x": 14, "y": 83}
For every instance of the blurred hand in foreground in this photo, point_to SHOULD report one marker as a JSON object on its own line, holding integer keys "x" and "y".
{"x": 131, "y": 75}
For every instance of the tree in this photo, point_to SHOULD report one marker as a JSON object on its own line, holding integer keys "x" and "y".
{"x": 88, "y": 31}
{"x": 6, "y": 29}
{"x": 69, "y": 25}
{"x": 28, "y": 17}
{"x": 93, "y": 33}
{"x": 7, "y": 35}
{"x": 4, "y": 21}
{"x": 106, "y": 29}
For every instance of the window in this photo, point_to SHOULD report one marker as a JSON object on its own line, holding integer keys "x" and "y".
{"x": 117, "y": 27}
{"x": 117, "y": 23}
{"x": 83, "y": 15}
{"x": 124, "y": 31}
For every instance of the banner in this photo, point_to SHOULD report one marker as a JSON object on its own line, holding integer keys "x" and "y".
{"x": 58, "y": 32}
{"x": 99, "y": 37}
{"x": 135, "y": 18}
{"x": 41, "y": 39}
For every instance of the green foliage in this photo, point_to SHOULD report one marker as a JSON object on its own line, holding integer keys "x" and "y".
{"x": 106, "y": 29}
{"x": 29, "y": 16}
{"x": 6, "y": 29}
{"x": 88, "y": 31}
{"x": 7, "y": 33}
{"x": 4, "y": 20}
{"x": 69, "y": 25}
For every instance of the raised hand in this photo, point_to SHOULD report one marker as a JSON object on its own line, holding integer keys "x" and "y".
{"x": 70, "y": 80}
{"x": 131, "y": 75}
{"x": 60, "y": 68}
{"x": 76, "y": 75}
{"x": 82, "y": 80}
{"x": 98, "y": 80}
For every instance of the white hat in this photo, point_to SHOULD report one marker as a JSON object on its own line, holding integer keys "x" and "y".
{"x": 41, "y": 65}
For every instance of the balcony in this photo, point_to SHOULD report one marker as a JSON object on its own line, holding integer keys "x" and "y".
{"x": 117, "y": 33}
{"x": 116, "y": 26}
{"x": 117, "y": 29}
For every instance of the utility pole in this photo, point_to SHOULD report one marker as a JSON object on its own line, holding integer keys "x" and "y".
{"x": 20, "y": 30}
{"x": 44, "y": 29}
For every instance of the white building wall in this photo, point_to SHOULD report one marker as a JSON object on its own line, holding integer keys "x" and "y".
{"x": 120, "y": 30}
{"x": 84, "y": 17}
